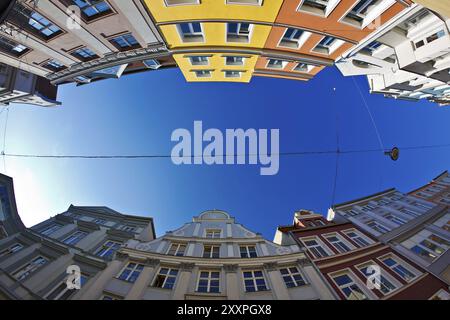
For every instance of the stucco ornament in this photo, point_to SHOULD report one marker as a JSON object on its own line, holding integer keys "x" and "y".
{"x": 283, "y": 250}
{"x": 143, "y": 246}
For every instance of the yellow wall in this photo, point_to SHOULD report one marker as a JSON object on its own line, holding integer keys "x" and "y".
{"x": 216, "y": 63}
{"x": 214, "y": 9}
{"x": 214, "y": 34}
{"x": 440, "y": 6}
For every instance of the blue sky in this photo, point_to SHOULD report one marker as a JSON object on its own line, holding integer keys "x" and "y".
{"x": 137, "y": 114}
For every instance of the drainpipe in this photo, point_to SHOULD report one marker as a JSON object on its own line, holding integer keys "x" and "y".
{"x": 321, "y": 276}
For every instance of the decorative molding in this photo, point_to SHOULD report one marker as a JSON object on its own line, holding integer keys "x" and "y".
{"x": 271, "y": 266}
{"x": 152, "y": 262}
{"x": 121, "y": 256}
{"x": 304, "y": 262}
{"x": 185, "y": 266}
{"x": 230, "y": 268}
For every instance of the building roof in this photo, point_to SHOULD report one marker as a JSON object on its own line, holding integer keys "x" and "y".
{"x": 363, "y": 198}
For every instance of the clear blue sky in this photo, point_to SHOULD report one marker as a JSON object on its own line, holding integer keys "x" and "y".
{"x": 137, "y": 114}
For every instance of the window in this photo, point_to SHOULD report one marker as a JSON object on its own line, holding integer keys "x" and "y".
{"x": 165, "y": 278}
{"x": 84, "y": 54}
{"x": 238, "y": 31}
{"x": 13, "y": 48}
{"x": 125, "y": 42}
{"x": 53, "y": 65}
{"x": 234, "y": 61}
{"x": 199, "y": 60}
{"x": 180, "y": 2}
{"x": 152, "y": 64}
{"x": 276, "y": 64}
{"x": 75, "y": 237}
{"x": 386, "y": 286}
{"x": 35, "y": 22}
{"x": 395, "y": 219}
{"x": 93, "y": 8}
{"x": 427, "y": 245}
{"x": 213, "y": 234}
{"x": 370, "y": 49}
{"x": 254, "y": 281}
{"x": 315, "y": 248}
{"x": 190, "y": 32}
{"x": 177, "y": 249}
{"x": 327, "y": 45}
{"x": 203, "y": 73}
{"x": 11, "y": 250}
{"x": 291, "y": 38}
{"x": 375, "y": 225}
{"x": 359, "y": 12}
{"x": 443, "y": 222}
{"x": 209, "y": 281}
{"x": 338, "y": 243}
{"x": 314, "y": 6}
{"x": 128, "y": 228}
{"x": 245, "y": 2}
{"x": 29, "y": 268}
{"x": 100, "y": 221}
{"x": 51, "y": 229}
{"x": 131, "y": 272}
{"x": 360, "y": 240}
{"x": 108, "y": 249}
{"x": 61, "y": 292}
{"x": 232, "y": 74}
{"x": 303, "y": 67}
{"x": 211, "y": 252}
{"x": 399, "y": 268}
{"x": 349, "y": 288}
{"x": 248, "y": 251}
{"x": 292, "y": 277}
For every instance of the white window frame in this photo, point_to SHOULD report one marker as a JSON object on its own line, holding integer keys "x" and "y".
{"x": 188, "y": 3}
{"x": 9, "y": 250}
{"x": 341, "y": 239}
{"x": 358, "y": 235}
{"x": 104, "y": 245}
{"x": 245, "y": 2}
{"x": 35, "y": 267}
{"x": 73, "y": 234}
{"x": 202, "y": 63}
{"x": 132, "y": 270}
{"x": 319, "y": 244}
{"x": 234, "y": 64}
{"x": 46, "y": 230}
{"x": 299, "y": 43}
{"x": 204, "y": 75}
{"x": 284, "y": 63}
{"x": 211, "y": 253}
{"x": 291, "y": 275}
{"x": 178, "y": 246}
{"x": 371, "y": 16}
{"x": 355, "y": 280}
{"x": 209, "y": 279}
{"x": 254, "y": 278}
{"x": 238, "y": 34}
{"x": 193, "y": 34}
{"x": 397, "y": 285}
{"x": 331, "y": 48}
{"x": 213, "y": 232}
{"x": 402, "y": 263}
{"x": 247, "y": 246}
{"x": 167, "y": 275}
{"x": 236, "y": 74}
{"x": 309, "y": 68}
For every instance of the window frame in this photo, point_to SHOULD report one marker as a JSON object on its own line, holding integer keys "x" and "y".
{"x": 32, "y": 270}
{"x": 211, "y": 253}
{"x": 247, "y": 251}
{"x": 254, "y": 278}
{"x": 402, "y": 263}
{"x": 166, "y": 276}
{"x": 209, "y": 279}
{"x": 139, "y": 267}
{"x": 178, "y": 246}
{"x": 291, "y": 275}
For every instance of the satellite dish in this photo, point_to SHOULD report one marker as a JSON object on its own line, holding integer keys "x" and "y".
{"x": 393, "y": 154}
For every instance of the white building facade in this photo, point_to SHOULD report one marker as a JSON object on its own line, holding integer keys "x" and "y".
{"x": 408, "y": 58}
{"x": 212, "y": 257}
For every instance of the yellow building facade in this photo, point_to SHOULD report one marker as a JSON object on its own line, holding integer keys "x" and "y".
{"x": 215, "y": 40}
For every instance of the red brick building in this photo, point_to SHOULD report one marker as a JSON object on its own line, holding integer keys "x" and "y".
{"x": 345, "y": 257}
